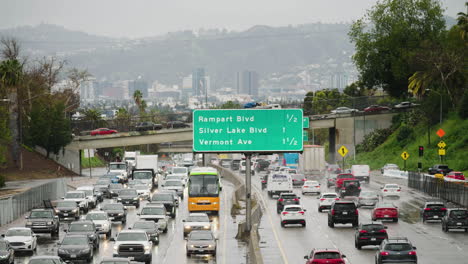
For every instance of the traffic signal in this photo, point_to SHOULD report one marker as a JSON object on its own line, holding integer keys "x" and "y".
{"x": 421, "y": 151}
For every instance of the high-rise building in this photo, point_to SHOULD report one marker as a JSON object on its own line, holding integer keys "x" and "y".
{"x": 247, "y": 82}
{"x": 199, "y": 82}
{"x": 138, "y": 84}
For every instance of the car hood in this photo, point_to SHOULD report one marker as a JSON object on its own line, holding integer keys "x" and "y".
{"x": 177, "y": 188}
{"x": 73, "y": 248}
{"x": 100, "y": 222}
{"x": 153, "y": 216}
{"x": 74, "y": 199}
{"x": 201, "y": 242}
{"x": 65, "y": 208}
{"x": 114, "y": 211}
{"x": 18, "y": 239}
{"x": 81, "y": 232}
{"x": 162, "y": 202}
{"x": 39, "y": 220}
{"x": 128, "y": 196}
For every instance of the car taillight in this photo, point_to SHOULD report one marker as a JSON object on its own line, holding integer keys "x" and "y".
{"x": 336, "y": 199}
{"x": 296, "y": 199}
{"x": 280, "y": 199}
{"x": 398, "y": 190}
{"x": 343, "y": 188}
{"x": 363, "y": 231}
{"x": 443, "y": 209}
{"x": 263, "y": 181}
{"x": 382, "y": 231}
{"x": 332, "y": 212}
{"x": 427, "y": 209}
{"x": 412, "y": 253}
{"x": 304, "y": 179}
{"x": 294, "y": 180}
{"x": 359, "y": 188}
{"x": 305, "y": 186}
{"x": 284, "y": 213}
{"x": 384, "y": 253}
{"x": 356, "y": 211}
{"x": 385, "y": 190}
{"x": 301, "y": 212}
{"x": 322, "y": 199}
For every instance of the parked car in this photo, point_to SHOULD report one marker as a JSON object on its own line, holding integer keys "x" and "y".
{"x": 103, "y": 131}
{"x": 325, "y": 256}
{"x": 433, "y": 210}
{"x": 376, "y": 108}
{"x": 293, "y": 214}
{"x": 456, "y": 218}
{"x": 370, "y": 234}
{"x": 176, "y": 124}
{"x": 344, "y": 110}
{"x": 76, "y": 247}
{"x": 326, "y": 200}
{"x": 147, "y": 126}
{"x": 7, "y": 254}
{"x": 21, "y": 239}
{"x": 405, "y": 105}
{"x": 389, "y": 166}
{"x": 385, "y": 211}
{"x": 439, "y": 169}
{"x": 456, "y": 175}
{"x": 396, "y": 249}
{"x": 201, "y": 242}
{"x": 43, "y": 221}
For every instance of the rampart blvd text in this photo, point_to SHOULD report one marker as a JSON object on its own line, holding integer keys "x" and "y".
{"x": 226, "y": 119}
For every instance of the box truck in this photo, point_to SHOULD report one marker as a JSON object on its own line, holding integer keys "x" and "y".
{"x": 312, "y": 159}
{"x": 146, "y": 168}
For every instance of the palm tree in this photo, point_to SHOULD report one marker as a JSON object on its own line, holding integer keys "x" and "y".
{"x": 123, "y": 119}
{"x": 463, "y": 22}
{"x": 94, "y": 116}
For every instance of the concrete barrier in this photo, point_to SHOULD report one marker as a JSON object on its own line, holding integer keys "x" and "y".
{"x": 396, "y": 174}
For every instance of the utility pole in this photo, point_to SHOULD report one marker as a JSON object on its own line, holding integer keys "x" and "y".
{"x": 248, "y": 206}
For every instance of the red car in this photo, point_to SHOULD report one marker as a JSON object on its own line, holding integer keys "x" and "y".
{"x": 343, "y": 177}
{"x": 385, "y": 212}
{"x": 376, "y": 108}
{"x": 325, "y": 256}
{"x": 103, "y": 131}
{"x": 456, "y": 175}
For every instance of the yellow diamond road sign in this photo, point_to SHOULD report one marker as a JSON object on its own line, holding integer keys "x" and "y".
{"x": 441, "y": 152}
{"x": 405, "y": 155}
{"x": 442, "y": 144}
{"x": 343, "y": 151}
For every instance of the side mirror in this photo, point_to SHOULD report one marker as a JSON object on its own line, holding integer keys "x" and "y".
{"x": 162, "y": 185}
{"x": 65, "y": 230}
{"x": 63, "y": 197}
{"x": 305, "y": 210}
{"x": 138, "y": 214}
{"x": 299, "y": 197}
{"x": 318, "y": 197}
{"x": 130, "y": 227}
{"x": 381, "y": 187}
{"x": 184, "y": 220}
{"x": 343, "y": 256}
{"x": 58, "y": 244}
{"x": 414, "y": 247}
{"x": 3, "y": 235}
{"x": 26, "y": 217}
{"x": 306, "y": 257}
{"x": 211, "y": 221}
{"x": 385, "y": 227}
{"x": 112, "y": 239}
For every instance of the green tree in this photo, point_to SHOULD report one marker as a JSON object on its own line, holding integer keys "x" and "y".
{"x": 463, "y": 107}
{"x": 230, "y": 105}
{"x": 94, "y": 116}
{"x": 462, "y": 22}
{"x": 141, "y": 104}
{"x": 354, "y": 90}
{"x": 387, "y": 38}
{"x": 308, "y": 103}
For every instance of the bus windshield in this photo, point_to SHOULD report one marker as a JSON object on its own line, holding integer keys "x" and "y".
{"x": 203, "y": 186}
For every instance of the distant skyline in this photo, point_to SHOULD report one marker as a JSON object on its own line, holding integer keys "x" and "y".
{"x": 144, "y": 18}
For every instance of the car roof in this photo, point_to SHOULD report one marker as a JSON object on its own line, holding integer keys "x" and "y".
{"x": 202, "y": 231}
{"x": 114, "y": 259}
{"x": 75, "y": 235}
{"x": 154, "y": 205}
{"x": 45, "y": 257}
{"x": 41, "y": 209}
{"x": 330, "y": 193}
{"x": 385, "y": 205}
{"x": 19, "y": 228}
{"x": 292, "y": 205}
{"x": 85, "y": 188}
{"x": 344, "y": 202}
{"x": 75, "y": 191}
{"x": 398, "y": 240}
{"x": 198, "y": 214}
{"x": 96, "y": 212}
{"x": 81, "y": 222}
{"x": 372, "y": 223}
{"x": 133, "y": 231}
{"x": 326, "y": 250}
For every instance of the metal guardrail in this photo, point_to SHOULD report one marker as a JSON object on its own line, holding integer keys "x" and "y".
{"x": 455, "y": 192}
{"x": 15, "y": 206}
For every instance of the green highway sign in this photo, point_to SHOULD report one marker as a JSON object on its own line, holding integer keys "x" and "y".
{"x": 305, "y": 120}
{"x": 248, "y": 130}
{"x": 305, "y": 136}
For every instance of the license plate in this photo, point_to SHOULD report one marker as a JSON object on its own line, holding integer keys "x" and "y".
{"x": 127, "y": 202}
{"x": 345, "y": 213}
{"x": 72, "y": 256}
{"x": 436, "y": 216}
{"x": 111, "y": 218}
{"x": 131, "y": 258}
{"x": 459, "y": 223}
{"x": 200, "y": 250}
{"x": 386, "y": 216}
{"x": 373, "y": 239}
{"x": 65, "y": 214}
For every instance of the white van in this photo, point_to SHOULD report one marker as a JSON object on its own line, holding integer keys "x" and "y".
{"x": 279, "y": 183}
{"x": 361, "y": 172}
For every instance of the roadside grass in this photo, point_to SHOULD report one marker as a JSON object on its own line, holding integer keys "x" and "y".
{"x": 456, "y": 138}
{"x": 93, "y": 162}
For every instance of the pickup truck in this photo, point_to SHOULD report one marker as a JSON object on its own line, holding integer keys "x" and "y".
{"x": 133, "y": 244}
{"x": 439, "y": 168}
{"x": 341, "y": 178}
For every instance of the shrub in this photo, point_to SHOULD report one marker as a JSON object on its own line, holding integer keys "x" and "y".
{"x": 404, "y": 135}
{"x": 373, "y": 140}
{"x": 2, "y": 181}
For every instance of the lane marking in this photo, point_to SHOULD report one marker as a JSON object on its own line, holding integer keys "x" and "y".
{"x": 278, "y": 242}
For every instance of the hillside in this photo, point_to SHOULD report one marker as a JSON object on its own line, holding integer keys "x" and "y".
{"x": 456, "y": 138}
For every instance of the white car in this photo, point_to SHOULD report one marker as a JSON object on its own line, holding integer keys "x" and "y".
{"x": 21, "y": 239}
{"x": 326, "y": 200}
{"x": 128, "y": 240}
{"x": 196, "y": 221}
{"x": 311, "y": 187}
{"x": 156, "y": 213}
{"x": 143, "y": 190}
{"x": 391, "y": 189}
{"x": 174, "y": 185}
{"x": 89, "y": 191}
{"x": 119, "y": 167}
{"x": 79, "y": 197}
{"x": 101, "y": 221}
{"x": 293, "y": 214}
{"x": 344, "y": 110}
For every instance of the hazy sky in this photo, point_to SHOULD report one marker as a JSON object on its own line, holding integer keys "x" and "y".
{"x": 139, "y": 18}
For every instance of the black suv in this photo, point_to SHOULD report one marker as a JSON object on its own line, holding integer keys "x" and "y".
{"x": 370, "y": 234}
{"x": 67, "y": 210}
{"x": 343, "y": 212}
{"x": 115, "y": 212}
{"x": 433, "y": 211}
{"x": 167, "y": 200}
{"x": 129, "y": 197}
{"x": 439, "y": 168}
{"x": 43, "y": 221}
{"x": 396, "y": 249}
{"x": 145, "y": 126}
{"x": 85, "y": 228}
{"x": 176, "y": 124}
{"x": 286, "y": 199}
{"x": 75, "y": 247}
{"x": 350, "y": 188}
{"x": 456, "y": 218}
{"x": 114, "y": 189}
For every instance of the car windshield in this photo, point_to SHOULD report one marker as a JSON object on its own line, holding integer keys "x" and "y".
{"x": 293, "y": 209}
{"x": 398, "y": 247}
{"x": 460, "y": 214}
{"x": 329, "y": 196}
{"x": 117, "y": 167}
{"x": 128, "y": 192}
{"x": 173, "y": 183}
{"x": 116, "y": 186}
{"x": 368, "y": 194}
{"x": 179, "y": 170}
{"x": 113, "y": 206}
{"x": 152, "y": 211}
{"x": 345, "y": 176}
{"x": 313, "y": 183}
{"x": 344, "y": 206}
{"x": 327, "y": 255}
{"x": 176, "y": 178}
{"x": 391, "y": 186}
{"x": 3, "y": 245}
{"x": 162, "y": 197}
{"x": 18, "y": 232}
{"x": 203, "y": 186}
{"x": 44, "y": 261}
{"x": 68, "y": 241}
{"x": 79, "y": 227}
{"x": 349, "y": 183}
{"x": 88, "y": 192}
{"x": 66, "y": 204}
{"x": 137, "y": 236}
{"x": 288, "y": 196}
{"x": 201, "y": 236}
{"x": 373, "y": 227}
{"x": 443, "y": 167}
{"x": 142, "y": 175}
{"x": 198, "y": 218}
{"x": 96, "y": 216}
{"x": 41, "y": 214}
{"x": 435, "y": 206}
{"x": 74, "y": 195}
{"x": 129, "y": 158}
{"x": 143, "y": 225}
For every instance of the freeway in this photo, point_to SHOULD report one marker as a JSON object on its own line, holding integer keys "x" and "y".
{"x": 171, "y": 248}
{"x": 289, "y": 245}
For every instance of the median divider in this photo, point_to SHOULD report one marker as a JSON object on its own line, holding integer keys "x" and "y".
{"x": 396, "y": 174}
{"x": 251, "y": 237}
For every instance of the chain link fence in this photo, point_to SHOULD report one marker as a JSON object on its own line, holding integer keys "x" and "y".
{"x": 15, "y": 206}
{"x": 455, "y": 192}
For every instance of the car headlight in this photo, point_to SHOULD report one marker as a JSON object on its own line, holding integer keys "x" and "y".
{"x": 120, "y": 213}
{"x": 206, "y": 227}
{"x": 136, "y": 198}
{"x": 147, "y": 247}
{"x": 49, "y": 223}
{"x": 86, "y": 250}
{"x": 61, "y": 251}
{"x": 215, "y": 202}
{"x": 192, "y": 246}
{"x": 187, "y": 227}
{"x": 192, "y": 203}
{"x": 57, "y": 211}
{"x": 116, "y": 247}
{"x": 74, "y": 210}
{"x": 3, "y": 256}
{"x": 119, "y": 199}
{"x": 92, "y": 236}
{"x": 210, "y": 246}
{"x": 29, "y": 223}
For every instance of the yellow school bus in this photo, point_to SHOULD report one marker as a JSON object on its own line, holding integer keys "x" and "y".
{"x": 203, "y": 190}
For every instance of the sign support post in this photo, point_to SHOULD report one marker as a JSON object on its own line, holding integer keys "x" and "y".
{"x": 248, "y": 190}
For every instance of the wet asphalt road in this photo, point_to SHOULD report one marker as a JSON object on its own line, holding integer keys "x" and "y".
{"x": 290, "y": 245}
{"x": 171, "y": 248}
